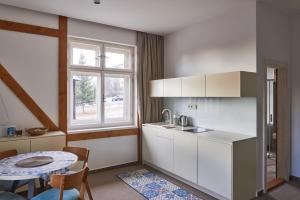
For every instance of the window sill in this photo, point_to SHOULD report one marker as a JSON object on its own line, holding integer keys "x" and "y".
{"x": 104, "y": 129}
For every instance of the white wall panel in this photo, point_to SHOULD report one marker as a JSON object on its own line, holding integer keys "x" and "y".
{"x": 108, "y": 152}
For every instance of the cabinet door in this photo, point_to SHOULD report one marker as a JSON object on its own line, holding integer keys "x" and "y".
{"x": 214, "y": 166}
{"x": 172, "y": 87}
{"x": 223, "y": 85}
{"x": 185, "y": 156}
{"x": 55, "y": 143}
{"x": 149, "y": 146}
{"x": 193, "y": 86}
{"x": 22, "y": 146}
{"x": 164, "y": 150}
{"x": 156, "y": 88}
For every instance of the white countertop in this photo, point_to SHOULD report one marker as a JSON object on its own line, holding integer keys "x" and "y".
{"x": 25, "y": 136}
{"x": 222, "y": 136}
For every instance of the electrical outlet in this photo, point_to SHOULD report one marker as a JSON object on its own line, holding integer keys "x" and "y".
{"x": 190, "y": 107}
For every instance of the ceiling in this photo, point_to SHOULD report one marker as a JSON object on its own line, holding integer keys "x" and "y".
{"x": 153, "y": 16}
{"x": 290, "y": 7}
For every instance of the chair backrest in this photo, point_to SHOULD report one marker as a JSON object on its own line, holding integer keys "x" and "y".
{"x": 8, "y": 153}
{"x": 70, "y": 181}
{"x": 82, "y": 153}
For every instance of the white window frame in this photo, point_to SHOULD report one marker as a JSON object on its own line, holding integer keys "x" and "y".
{"x": 101, "y": 70}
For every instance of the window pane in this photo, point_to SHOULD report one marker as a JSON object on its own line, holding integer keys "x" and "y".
{"x": 84, "y": 97}
{"x": 84, "y": 54}
{"x": 117, "y": 58}
{"x": 116, "y": 98}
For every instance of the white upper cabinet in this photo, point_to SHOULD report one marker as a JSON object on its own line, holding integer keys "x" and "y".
{"x": 172, "y": 87}
{"x": 231, "y": 84}
{"x": 193, "y": 86}
{"x": 156, "y": 88}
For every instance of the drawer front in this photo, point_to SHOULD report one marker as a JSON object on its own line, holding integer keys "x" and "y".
{"x": 48, "y": 143}
{"x": 22, "y": 146}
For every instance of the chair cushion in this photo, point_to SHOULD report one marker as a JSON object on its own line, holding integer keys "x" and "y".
{"x": 10, "y": 196}
{"x": 53, "y": 194}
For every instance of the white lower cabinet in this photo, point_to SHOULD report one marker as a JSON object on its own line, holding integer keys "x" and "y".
{"x": 185, "y": 156}
{"x": 149, "y": 145}
{"x": 158, "y": 147}
{"x": 164, "y": 150}
{"x": 223, "y": 167}
{"x": 214, "y": 166}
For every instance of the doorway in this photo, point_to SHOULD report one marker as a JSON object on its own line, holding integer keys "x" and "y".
{"x": 271, "y": 134}
{"x": 277, "y": 125}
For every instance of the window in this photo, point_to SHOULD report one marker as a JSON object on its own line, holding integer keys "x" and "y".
{"x": 101, "y": 84}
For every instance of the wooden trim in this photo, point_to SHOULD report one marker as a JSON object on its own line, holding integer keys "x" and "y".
{"x": 139, "y": 140}
{"x": 101, "y": 134}
{"x": 275, "y": 183}
{"x": 63, "y": 74}
{"x": 26, "y": 28}
{"x": 16, "y": 88}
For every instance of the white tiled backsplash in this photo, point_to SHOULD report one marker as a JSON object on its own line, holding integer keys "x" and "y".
{"x": 236, "y": 115}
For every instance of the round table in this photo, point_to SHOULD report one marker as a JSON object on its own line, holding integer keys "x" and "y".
{"x": 62, "y": 161}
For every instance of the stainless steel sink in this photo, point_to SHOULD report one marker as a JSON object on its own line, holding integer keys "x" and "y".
{"x": 197, "y": 130}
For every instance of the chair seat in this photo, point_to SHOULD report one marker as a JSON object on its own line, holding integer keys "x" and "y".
{"x": 10, "y": 196}
{"x": 53, "y": 194}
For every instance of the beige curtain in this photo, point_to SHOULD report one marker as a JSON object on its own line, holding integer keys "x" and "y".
{"x": 150, "y": 62}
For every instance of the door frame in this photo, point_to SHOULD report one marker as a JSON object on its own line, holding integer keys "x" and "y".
{"x": 268, "y": 63}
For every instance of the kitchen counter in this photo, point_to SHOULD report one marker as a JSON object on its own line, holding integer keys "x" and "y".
{"x": 222, "y": 136}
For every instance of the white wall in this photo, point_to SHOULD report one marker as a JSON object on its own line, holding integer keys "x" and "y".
{"x": 221, "y": 44}
{"x": 33, "y": 62}
{"x": 273, "y": 42}
{"x": 295, "y": 61}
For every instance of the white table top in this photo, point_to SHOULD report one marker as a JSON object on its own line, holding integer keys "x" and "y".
{"x": 62, "y": 162}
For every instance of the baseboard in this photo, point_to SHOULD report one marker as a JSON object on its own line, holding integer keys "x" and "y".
{"x": 114, "y": 167}
{"x": 295, "y": 178}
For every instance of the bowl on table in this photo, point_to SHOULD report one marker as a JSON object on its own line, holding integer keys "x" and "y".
{"x": 36, "y": 131}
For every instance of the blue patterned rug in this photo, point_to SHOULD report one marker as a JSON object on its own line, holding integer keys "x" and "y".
{"x": 154, "y": 187}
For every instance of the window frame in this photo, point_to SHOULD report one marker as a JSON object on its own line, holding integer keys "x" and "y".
{"x": 101, "y": 70}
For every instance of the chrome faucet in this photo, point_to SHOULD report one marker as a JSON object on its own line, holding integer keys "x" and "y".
{"x": 169, "y": 114}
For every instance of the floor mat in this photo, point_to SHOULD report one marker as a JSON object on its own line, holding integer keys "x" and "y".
{"x": 153, "y": 187}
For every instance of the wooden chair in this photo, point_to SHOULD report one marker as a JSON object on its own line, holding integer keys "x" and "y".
{"x": 8, "y": 153}
{"x": 83, "y": 155}
{"x": 64, "y": 186}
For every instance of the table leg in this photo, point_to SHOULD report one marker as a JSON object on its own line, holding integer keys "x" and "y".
{"x": 42, "y": 184}
{"x": 31, "y": 188}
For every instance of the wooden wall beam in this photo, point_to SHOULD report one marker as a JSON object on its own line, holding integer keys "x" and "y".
{"x": 101, "y": 134}
{"x": 26, "y": 28}
{"x": 16, "y": 88}
{"x": 63, "y": 74}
